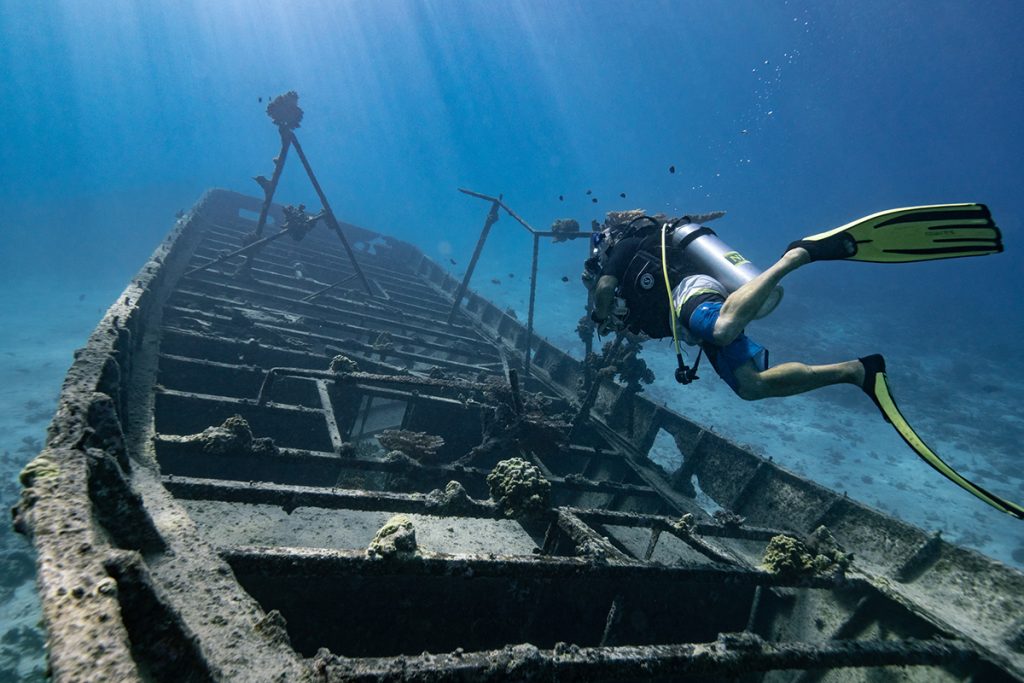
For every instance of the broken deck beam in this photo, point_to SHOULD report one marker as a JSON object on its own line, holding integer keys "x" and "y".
{"x": 723, "y": 658}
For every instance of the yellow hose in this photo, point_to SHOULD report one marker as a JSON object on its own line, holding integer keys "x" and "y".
{"x": 668, "y": 290}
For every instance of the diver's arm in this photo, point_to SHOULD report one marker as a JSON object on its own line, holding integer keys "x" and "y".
{"x": 604, "y": 296}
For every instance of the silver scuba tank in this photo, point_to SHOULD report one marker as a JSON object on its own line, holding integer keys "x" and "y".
{"x": 717, "y": 259}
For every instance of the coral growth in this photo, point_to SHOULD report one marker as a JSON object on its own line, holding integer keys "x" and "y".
{"x": 787, "y": 555}
{"x": 519, "y": 421}
{"x": 38, "y": 468}
{"x": 234, "y": 437}
{"x": 622, "y": 360}
{"x": 297, "y": 223}
{"x": 685, "y": 524}
{"x": 828, "y": 554}
{"x": 585, "y": 330}
{"x": 284, "y": 110}
{"x": 397, "y": 538}
{"x": 564, "y": 226}
{"x": 452, "y": 499}
{"x": 417, "y": 445}
{"x": 821, "y": 554}
{"x": 519, "y": 487}
{"x": 614, "y": 218}
{"x": 728, "y": 518}
{"x": 343, "y": 364}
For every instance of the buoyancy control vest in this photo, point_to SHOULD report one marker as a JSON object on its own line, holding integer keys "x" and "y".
{"x": 643, "y": 289}
{"x": 693, "y": 249}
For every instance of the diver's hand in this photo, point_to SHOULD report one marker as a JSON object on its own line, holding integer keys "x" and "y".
{"x": 616, "y": 321}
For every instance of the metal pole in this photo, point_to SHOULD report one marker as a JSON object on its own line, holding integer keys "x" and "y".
{"x": 529, "y": 317}
{"x": 332, "y": 222}
{"x": 270, "y": 188}
{"x": 492, "y": 218}
{"x": 244, "y": 250}
{"x": 329, "y": 287}
{"x": 502, "y": 204}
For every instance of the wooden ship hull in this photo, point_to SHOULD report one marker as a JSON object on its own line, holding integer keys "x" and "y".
{"x": 171, "y": 548}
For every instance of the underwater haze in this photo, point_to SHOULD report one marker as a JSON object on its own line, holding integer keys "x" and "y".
{"x": 792, "y": 116}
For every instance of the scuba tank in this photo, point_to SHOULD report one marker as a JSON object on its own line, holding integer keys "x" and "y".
{"x": 706, "y": 253}
{"x": 711, "y": 255}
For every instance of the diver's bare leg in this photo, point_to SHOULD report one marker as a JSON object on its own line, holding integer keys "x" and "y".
{"x": 742, "y": 305}
{"x": 789, "y": 379}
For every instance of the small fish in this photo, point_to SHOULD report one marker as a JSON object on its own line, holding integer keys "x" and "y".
{"x": 565, "y": 278}
{"x": 594, "y": 200}
{"x": 672, "y": 169}
{"x": 622, "y": 194}
{"x": 511, "y": 275}
{"x": 744, "y": 132}
{"x": 452, "y": 261}
{"x": 561, "y": 197}
{"x": 180, "y": 213}
{"x": 588, "y": 192}
{"x": 81, "y": 297}
{"x": 495, "y": 281}
{"x": 259, "y": 99}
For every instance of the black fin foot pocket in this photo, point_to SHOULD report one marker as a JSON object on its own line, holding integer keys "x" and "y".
{"x": 874, "y": 365}
{"x": 832, "y": 248}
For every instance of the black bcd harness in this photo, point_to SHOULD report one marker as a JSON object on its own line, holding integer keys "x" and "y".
{"x": 643, "y": 277}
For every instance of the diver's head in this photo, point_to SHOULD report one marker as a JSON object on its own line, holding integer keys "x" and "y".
{"x": 599, "y": 244}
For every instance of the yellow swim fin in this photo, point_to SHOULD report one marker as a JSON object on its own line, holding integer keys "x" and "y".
{"x": 877, "y": 387}
{"x": 915, "y": 233}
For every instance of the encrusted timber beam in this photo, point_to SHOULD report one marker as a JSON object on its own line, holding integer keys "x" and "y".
{"x": 729, "y": 656}
{"x": 272, "y": 562}
{"x": 368, "y": 379}
{"x": 573, "y": 522}
{"x": 291, "y": 497}
{"x": 302, "y": 458}
{"x": 87, "y": 639}
{"x": 663, "y": 523}
{"x": 588, "y": 540}
{"x": 191, "y": 488}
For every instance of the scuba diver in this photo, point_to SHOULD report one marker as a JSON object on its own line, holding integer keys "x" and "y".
{"x": 679, "y": 279}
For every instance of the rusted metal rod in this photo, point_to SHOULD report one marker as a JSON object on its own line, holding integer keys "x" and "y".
{"x": 270, "y": 188}
{"x": 502, "y": 204}
{"x": 328, "y": 288}
{"x": 332, "y": 222}
{"x": 237, "y": 252}
{"x": 492, "y": 218}
{"x": 533, "y": 299}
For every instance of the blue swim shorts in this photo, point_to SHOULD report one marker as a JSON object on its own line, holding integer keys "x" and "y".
{"x": 725, "y": 359}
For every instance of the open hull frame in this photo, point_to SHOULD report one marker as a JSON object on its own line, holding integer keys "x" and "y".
{"x": 151, "y": 566}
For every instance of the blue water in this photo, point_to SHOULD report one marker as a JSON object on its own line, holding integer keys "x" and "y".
{"x": 792, "y": 116}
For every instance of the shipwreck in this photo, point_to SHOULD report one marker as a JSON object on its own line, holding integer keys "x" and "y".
{"x": 282, "y": 458}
